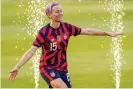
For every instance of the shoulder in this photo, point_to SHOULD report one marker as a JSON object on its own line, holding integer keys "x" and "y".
{"x": 43, "y": 28}
{"x": 66, "y": 24}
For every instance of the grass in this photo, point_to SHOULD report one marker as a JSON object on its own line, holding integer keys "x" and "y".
{"x": 88, "y": 61}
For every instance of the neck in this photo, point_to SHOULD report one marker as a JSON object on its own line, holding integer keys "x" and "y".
{"x": 54, "y": 24}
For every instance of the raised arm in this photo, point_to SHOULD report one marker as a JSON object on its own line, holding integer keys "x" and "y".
{"x": 22, "y": 61}
{"x": 95, "y": 32}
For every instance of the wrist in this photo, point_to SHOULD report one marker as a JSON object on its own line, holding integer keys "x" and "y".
{"x": 107, "y": 33}
{"x": 18, "y": 66}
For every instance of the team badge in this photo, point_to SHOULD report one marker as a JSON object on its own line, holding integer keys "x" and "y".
{"x": 52, "y": 74}
{"x": 64, "y": 35}
{"x": 59, "y": 38}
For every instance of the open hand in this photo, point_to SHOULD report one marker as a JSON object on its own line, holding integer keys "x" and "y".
{"x": 13, "y": 74}
{"x": 114, "y": 34}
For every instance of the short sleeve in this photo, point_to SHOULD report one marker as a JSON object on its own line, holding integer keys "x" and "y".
{"x": 74, "y": 30}
{"x": 39, "y": 40}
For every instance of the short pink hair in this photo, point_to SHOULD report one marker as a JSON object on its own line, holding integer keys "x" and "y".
{"x": 48, "y": 8}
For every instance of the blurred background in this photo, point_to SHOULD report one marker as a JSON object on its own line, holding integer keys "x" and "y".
{"x": 88, "y": 56}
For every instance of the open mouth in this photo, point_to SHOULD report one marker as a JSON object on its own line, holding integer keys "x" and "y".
{"x": 59, "y": 17}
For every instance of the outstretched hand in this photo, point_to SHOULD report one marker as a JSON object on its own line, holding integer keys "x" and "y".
{"x": 114, "y": 34}
{"x": 13, "y": 74}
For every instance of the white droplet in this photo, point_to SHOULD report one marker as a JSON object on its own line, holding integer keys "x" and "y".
{"x": 19, "y": 5}
{"x": 124, "y": 36}
{"x": 17, "y": 59}
{"x": 104, "y": 20}
{"x": 24, "y": 38}
{"x": 99, "y": 26}
{"x": 79, "y": 0}
{"x": 102, "y": 46}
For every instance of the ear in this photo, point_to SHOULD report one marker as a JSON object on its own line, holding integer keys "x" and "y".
{"x": 49, "y": 16}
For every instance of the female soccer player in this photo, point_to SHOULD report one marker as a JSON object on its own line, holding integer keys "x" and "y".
{"x": 53, "y": 38}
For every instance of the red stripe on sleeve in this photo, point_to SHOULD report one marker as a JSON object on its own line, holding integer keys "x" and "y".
{"x": 41, "y": 64}
{"x": 40, "y": 38}
{"x": 73, "y": 30}
{"x": 44, "y": 30}
{"x": 36, "y": 43}
{"x": 79, "y": 30}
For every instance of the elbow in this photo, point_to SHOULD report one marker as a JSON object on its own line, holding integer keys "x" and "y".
{"x": 29, "y": 54}
{"x": 89, "y": 32}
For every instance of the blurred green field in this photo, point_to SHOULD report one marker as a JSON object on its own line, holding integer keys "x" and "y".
{"x": 88, "y": 61}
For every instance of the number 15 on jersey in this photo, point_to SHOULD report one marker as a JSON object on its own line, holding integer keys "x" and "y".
{"x": 53, "y": 46}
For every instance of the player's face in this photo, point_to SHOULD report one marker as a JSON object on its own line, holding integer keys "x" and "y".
{"x": 56, "y": 14}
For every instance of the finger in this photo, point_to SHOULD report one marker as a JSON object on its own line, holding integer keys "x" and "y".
{"x": 11, "y": 76}
{"x": 12, "y": 79}
{"x": 119, "y": 34}
{"x": 115, "y": 36}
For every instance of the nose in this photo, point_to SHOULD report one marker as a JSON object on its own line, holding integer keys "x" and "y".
{"x": 61, "y": 13}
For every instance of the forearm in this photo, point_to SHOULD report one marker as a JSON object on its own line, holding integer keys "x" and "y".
{"x": 98, "y": 32}
{"x": 25, "y": 57}
{"x": 94, "y": 32}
